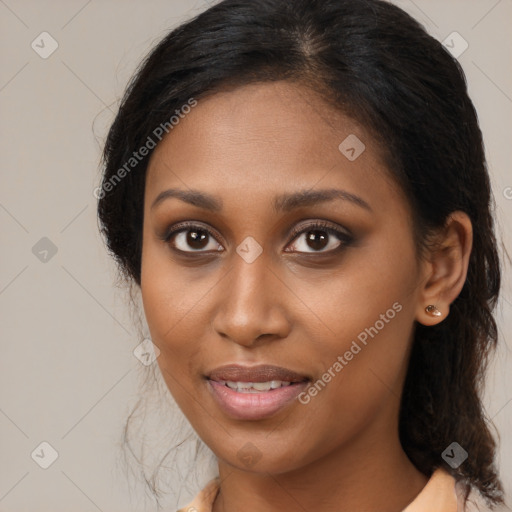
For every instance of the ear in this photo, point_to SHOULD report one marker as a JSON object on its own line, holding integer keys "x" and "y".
{"x": 445, "y": 268}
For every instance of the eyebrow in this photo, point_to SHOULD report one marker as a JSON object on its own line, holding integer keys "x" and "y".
{"x": 193, "y": 197}
{"x": 282, "y": 203}
{"x": 287, "y": 202}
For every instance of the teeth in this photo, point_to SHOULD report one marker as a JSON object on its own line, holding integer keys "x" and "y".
{"x": 239, "y": 385}
{"x": 255, "y": 387}
{"x": 262, "y": 386}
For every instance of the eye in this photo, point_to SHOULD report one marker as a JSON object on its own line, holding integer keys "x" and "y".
{"x": 192, "y": 238}
{"x": 319, "y": 237}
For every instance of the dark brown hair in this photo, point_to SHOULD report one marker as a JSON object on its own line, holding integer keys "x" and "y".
{"x": 375, "y": 63}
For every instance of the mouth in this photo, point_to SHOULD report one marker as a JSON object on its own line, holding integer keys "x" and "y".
{"x": 254, "y": 387}
{"x": 253, "y": 393}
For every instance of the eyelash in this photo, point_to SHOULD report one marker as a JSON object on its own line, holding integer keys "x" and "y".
{"x": 344, "y": 238}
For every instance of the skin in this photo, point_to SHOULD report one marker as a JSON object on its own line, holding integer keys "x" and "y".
{"x": 294, "y": 306}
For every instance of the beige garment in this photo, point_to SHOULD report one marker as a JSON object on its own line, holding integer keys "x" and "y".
{"x": 439, "y": 495}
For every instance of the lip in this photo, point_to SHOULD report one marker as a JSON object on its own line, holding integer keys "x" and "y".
{"x": 254, "y": 406}
{"x": 259, "y": 373}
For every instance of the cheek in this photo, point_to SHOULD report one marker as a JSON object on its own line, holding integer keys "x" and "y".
{"x": 168, "y": 315}
{"x": 359, "y": 294}
{"x": 360, "y": 385}
{"x": 169, "y": 307}
{"x": 367, "y": 309}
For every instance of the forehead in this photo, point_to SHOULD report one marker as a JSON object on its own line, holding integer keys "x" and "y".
{"x": 264, "y": 137}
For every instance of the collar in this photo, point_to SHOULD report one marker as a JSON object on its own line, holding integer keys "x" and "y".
{"x": 438, "y": 495}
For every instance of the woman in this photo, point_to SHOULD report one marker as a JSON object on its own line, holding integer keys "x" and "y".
{"x": 300, "y": 191}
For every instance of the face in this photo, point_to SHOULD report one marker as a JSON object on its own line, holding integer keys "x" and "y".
{"x": 273, "y": 255}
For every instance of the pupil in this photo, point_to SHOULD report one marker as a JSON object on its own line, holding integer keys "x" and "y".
{"x": 316, "y": 239}
{"x": 197, "y": 239}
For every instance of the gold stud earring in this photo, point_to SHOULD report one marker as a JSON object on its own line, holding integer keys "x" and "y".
{"x": 432, "y": 310}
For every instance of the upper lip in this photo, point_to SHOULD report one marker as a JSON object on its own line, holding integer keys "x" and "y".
{"x": 259, "y": 373}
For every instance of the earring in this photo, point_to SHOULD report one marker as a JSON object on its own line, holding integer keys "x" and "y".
{"x": 433, "y": 311}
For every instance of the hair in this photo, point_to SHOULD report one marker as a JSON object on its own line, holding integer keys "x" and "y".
{"x": 374, "y": 63}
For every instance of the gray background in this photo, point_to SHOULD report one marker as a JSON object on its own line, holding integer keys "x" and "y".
{"x": 67, "y": 372}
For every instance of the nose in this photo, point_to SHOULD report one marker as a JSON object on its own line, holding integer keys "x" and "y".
{"x": 251, "y": 304}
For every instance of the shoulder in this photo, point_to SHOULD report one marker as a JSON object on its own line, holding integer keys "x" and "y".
{"x": 204, "y": 500}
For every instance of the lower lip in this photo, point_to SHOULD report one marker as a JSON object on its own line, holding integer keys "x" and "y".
{"x": 254, "y": 406}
